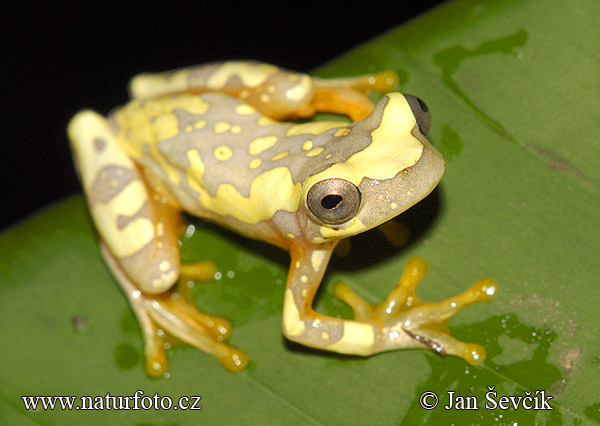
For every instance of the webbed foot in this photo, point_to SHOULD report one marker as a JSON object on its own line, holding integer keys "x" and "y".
{"x": 405, "y": 321}
{"x": 169, "y": 313}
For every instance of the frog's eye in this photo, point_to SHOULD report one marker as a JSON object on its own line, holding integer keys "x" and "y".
{"x": 421, "y": 112}
{"x": 333, "y": 201}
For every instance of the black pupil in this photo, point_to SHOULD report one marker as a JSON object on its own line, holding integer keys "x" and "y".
{"x": 331, "y": 201}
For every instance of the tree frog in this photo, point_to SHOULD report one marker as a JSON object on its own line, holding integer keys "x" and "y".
{"x": 211, "y": 141}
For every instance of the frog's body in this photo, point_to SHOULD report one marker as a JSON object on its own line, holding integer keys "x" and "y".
{"x": 198, "y": 140}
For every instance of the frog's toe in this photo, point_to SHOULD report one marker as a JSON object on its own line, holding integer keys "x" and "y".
{"x": 198, "y": 271}
{"x": 362, "y": 309}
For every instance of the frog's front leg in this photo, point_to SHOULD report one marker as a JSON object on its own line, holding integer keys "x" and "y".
{"x": 401, "y": 322}
{"x": 275, "y": 92}
{"x": 139, "y": 244}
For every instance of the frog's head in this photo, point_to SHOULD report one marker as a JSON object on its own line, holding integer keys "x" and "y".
{"x": 384, "y": 166}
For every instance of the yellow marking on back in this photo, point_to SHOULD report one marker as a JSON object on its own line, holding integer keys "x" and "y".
{"x": 192, "y": 104}
{"x": 142, "y": 123}
{"x": 259, "y": 145}
{"x": 314, "y": 152}
{"x": 262, "y": 203}
{"x": 292, "y": 323}
{"x": 280, "y": 156}
{"x": 223, "y": 153}
{"x": 307, "y": 145}
{"x": 301, "y": 90}
{"x": 222, "y": 127}
{"x": 196, "y": 170}
{"x": 266, "y": 121}
{"x": 313, "y": 128}
{"x": 244, "y": 109}
{"x": 236, "y": 129}
{"x": 251, "y": 75}
{"x": 255, "y": 163}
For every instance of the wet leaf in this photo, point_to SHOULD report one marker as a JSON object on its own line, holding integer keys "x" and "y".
{"x": 513, "y": 87}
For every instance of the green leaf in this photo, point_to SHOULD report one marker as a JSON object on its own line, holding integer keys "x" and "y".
{"x": 513, "y": 87}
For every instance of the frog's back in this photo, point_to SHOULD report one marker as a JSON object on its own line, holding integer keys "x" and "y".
{"x": 215, "y": 139}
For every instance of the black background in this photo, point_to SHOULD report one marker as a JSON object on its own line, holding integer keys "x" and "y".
{"x": 59, "y": 59}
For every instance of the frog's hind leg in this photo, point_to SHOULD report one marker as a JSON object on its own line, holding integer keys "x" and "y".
{"x": 275, "y": 92}
{"x": 349, "y": 95}
{"x": 171, "y": 313}
{"x": 139, "y": 244}
{"x": 134, "y": 226}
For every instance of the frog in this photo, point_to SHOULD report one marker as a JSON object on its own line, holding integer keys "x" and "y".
{"x": 228, "y": 142}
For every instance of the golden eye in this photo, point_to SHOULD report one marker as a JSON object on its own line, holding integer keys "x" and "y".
{"x": 421, "y": 112}
{"x": 333, "y": 201}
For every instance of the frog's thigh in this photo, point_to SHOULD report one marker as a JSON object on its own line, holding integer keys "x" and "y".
{"x": 348, "y": 95}
{"x": 132, "y": 224}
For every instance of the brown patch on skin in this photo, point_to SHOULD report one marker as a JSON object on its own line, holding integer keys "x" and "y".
{"x": 144, "y": 212}
{"x": 109, "y": 182}
{"x": 144, "y": 265}
{"x": 314, "y": 329}
{"x": 99, "y": 144}
{"x": 287, "y": 223}
{"x": 200, "y": 74}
